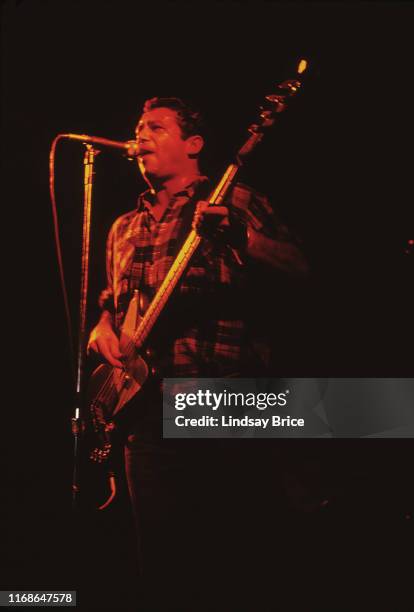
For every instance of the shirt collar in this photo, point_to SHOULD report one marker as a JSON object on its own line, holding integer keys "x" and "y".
{"x": 146, "y": 198}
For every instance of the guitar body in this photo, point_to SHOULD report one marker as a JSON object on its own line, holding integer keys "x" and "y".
{"x": 111, "y": 388}
{"x": 109, "y": 391}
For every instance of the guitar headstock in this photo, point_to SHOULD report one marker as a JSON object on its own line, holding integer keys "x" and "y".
{"x": 274, "y": 104}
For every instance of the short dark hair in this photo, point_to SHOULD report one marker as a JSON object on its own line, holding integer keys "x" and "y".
{"x": 189, "y": 119}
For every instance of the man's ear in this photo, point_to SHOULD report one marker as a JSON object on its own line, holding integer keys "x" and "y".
{"x": 194, "y": 144}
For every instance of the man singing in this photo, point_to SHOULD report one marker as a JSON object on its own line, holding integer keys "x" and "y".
{"x": 203, "y": 331}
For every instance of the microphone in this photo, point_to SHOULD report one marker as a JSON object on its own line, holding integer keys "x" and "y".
{"x": 130, "y": 147}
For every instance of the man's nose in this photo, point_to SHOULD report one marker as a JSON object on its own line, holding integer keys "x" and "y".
{"x": 142, "y": 138}
{"x": 143, "y": 135}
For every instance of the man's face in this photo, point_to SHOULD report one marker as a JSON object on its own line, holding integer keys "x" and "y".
{"x": 163, "y": 153}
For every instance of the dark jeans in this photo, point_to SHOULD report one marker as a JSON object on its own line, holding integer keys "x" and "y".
{"x": 171, "y": 485}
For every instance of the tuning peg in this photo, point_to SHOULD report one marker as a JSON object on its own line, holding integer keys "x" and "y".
{"x": 277, "y": 101}
{"x": 266, "y": 113}
{"x": 254, "y": 128}
{"x": 291, "y": 85}
{"x": 267, "y": 118}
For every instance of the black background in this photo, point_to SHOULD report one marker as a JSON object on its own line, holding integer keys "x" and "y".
{"x": 337, "y": 167}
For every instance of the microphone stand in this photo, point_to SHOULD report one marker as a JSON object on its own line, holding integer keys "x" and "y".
{"x": 77, "y": 420}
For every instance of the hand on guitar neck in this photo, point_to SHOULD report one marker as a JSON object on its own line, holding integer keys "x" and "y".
{"x": 105, "y": 342}
{"x": 208, "y": 218}
{"x": 219, "y": 223}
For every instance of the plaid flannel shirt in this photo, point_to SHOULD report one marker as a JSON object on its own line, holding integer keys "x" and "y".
{"x": 202, "y": 332}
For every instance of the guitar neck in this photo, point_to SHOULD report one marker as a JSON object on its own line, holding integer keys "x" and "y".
{"x": 180, "y": 264}
{"x": 168, "y": 285}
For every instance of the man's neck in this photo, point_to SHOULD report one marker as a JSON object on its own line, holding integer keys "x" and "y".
{"x": 166, "y": 190}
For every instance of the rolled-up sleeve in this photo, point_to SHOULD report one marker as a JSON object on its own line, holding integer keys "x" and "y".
{"x": 269, "y": 238}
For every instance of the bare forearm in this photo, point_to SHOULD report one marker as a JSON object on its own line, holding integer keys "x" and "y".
{"x": 104, "y": 341}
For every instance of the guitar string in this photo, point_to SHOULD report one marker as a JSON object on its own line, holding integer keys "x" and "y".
{"x": 161, "y": 298}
